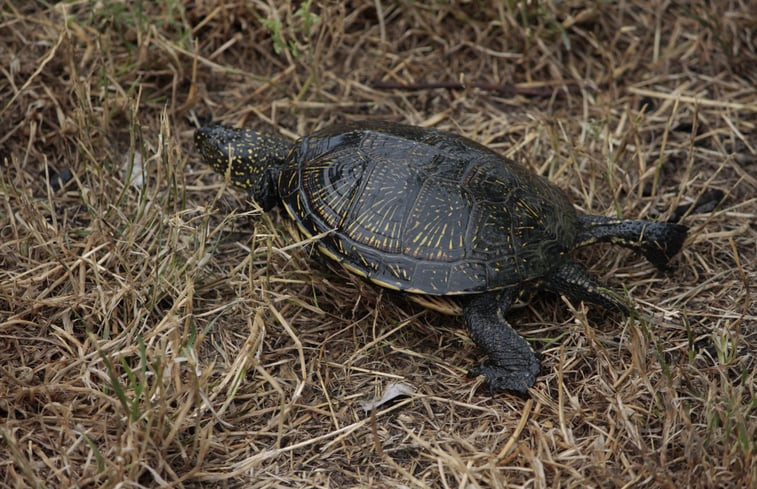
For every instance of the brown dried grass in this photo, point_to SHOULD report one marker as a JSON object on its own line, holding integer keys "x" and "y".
{"x": 168, "y": 334}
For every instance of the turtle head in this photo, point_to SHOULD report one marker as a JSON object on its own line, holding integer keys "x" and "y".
{"x": 252, "y": 160}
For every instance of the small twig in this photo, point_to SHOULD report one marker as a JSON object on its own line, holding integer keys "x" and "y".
{"x": 518, "y": 430}
{"x": 508, "y": 90}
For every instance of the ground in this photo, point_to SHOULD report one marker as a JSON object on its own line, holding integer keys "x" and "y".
{"x": 157, "y": 329}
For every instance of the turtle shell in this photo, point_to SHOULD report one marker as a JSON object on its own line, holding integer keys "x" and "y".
{"x": 423, "y": 210}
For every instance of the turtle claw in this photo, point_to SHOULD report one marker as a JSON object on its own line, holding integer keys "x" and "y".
{"x": 516, "y": 380}
{"x": 513, "y": 365}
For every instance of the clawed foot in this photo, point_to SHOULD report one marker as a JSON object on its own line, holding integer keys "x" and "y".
{"x": 516, "y": 380}
{"x": 513, "y": 365}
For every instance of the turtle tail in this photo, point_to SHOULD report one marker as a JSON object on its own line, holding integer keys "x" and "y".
{"x": 658, "y": 242}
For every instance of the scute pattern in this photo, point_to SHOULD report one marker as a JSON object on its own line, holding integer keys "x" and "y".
{"x": 437, "y": 222}
{"x": 328, "y": 183}
{"x": 423, "y": 210}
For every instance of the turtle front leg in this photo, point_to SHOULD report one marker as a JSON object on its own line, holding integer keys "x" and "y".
{"x": 512, "y": 364}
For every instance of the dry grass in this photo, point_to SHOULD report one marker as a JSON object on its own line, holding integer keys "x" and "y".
{"x": 155, "y": 330}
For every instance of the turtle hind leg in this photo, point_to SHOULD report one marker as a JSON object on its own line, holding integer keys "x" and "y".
{"x": 573, "y": 281}
{"x": 512, "y": 365}
{"x": 658, "y": 242}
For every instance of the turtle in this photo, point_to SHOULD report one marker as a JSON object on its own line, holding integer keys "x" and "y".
{"x": 432, "y": 213}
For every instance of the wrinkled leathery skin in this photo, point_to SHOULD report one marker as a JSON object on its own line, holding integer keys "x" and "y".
{"x": 658, "y": 242}
{"x": 573, "y": 281}
{"x": 512, "y": 364}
